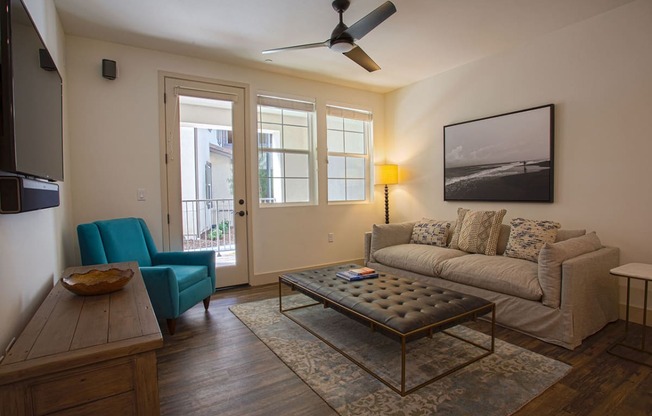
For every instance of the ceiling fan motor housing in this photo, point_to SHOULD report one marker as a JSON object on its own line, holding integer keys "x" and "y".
{"x": 340, "y": 6}
{"x": 340, "y": 40}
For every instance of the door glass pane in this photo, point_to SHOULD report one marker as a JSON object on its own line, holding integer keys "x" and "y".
{"x": 207, "y": 177}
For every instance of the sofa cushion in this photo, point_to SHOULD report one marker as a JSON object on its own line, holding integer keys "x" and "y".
{"x": 431, "y": 232}
{"x": 553, "y": 255}
{"x": 478, "y": 232}
{"x": 417, "y": 258}
{"x": 526, "y": 237}
{"x": 501, "y": 274}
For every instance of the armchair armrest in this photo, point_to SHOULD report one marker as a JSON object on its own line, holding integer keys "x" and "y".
{"x": 163, "y": 290}
{"x": 188, "y": 258}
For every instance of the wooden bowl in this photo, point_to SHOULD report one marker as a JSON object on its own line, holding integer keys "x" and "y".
{"x": 97, "y": 282}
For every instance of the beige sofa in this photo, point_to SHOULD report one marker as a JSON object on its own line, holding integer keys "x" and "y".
{"x": 563, "y": 298}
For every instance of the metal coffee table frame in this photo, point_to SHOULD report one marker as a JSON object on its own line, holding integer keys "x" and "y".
{"x": 429, "y": 329}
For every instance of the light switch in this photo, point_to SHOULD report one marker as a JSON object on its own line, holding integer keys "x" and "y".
{"x": 141, "y": 194}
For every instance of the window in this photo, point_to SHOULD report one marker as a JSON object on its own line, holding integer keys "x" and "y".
{"x": 285, "y": 151}
{"x": 348, "y": 136}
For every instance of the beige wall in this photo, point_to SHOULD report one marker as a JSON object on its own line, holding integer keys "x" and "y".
{"x": 598, "y": 73}
{"x": 35, "y": 246}
{"x": 115, "y": 142}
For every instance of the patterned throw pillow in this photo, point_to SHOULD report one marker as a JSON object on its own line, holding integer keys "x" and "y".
{"x": 455, "y": 239}
{"x": 430, "y": 232}
{"x": 479, "y": 230}
{"x": 526, "y": 238}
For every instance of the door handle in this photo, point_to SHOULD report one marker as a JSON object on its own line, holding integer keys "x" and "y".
{"x": 242, "y": 213}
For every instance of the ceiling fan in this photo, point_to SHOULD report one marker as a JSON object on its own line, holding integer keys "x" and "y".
{"x": 343, "y": 37}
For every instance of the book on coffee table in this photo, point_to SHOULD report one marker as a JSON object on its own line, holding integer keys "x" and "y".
{"x": 352, "y": 276}
{"x": 363, "y": 270}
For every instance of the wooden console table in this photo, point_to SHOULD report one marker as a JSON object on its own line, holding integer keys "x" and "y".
{"x": 84, "y": 355}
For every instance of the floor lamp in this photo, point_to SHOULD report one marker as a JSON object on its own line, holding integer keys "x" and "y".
{"x": 386, "y": 175}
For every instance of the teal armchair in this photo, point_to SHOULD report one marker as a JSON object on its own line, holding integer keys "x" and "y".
{"x": 175, "y": 281}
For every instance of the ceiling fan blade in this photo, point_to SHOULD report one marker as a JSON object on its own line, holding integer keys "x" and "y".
{"x": 370, "y": 21}
{"x": 359, "y": 56}
{"x": 306, "y": 46}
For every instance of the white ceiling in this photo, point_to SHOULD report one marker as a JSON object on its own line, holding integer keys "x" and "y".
{"x": 423, "y": 38}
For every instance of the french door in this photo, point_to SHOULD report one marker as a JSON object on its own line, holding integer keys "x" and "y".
{"x": 205, "y": 173}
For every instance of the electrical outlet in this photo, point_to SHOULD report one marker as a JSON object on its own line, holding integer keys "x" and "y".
{"x": 331, "y": 237}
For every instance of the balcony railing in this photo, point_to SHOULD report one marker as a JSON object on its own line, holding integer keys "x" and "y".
{"x": 208, "y": 225}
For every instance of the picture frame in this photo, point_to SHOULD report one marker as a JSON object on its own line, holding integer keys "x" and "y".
{"x": 504, "y": 158}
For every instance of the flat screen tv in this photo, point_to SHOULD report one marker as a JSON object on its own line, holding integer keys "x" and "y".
{"x": 31, "y": 143}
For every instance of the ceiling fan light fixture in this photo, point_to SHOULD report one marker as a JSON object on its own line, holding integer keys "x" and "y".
{"x": 342, "y": 46}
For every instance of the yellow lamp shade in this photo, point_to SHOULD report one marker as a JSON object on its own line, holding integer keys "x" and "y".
{"x": 386, "y": 174}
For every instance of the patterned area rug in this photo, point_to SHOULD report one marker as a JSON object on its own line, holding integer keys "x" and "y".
{"x": 499, "y": 384}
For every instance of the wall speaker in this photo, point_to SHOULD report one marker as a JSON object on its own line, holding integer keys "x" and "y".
{"x": 109, "y": 69}
{"x": 45, "y": 60}
{"x": 18, "y": 194}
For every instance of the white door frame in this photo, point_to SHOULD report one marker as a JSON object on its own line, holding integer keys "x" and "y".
{"x": 171, "y": 215}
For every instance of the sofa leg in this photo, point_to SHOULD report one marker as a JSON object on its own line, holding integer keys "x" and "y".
{"x": 172, "y": 326}
{"x": 207, "y": 301}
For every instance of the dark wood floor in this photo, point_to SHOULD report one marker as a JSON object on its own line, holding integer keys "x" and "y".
{"x": 214, "y": 365}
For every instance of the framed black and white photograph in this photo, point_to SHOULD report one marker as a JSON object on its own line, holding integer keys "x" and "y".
{"x": 507, "y": 157}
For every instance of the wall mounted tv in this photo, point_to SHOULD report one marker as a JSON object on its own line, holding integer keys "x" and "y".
{"x": 31, "y": 142}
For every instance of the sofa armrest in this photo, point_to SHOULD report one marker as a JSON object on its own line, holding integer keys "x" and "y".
{"x": 386, "y": 235}
{"x": 367, "y": 247}
{"x": 589, "y": 292}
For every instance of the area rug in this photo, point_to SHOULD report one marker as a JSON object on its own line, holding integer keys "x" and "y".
{"x": 498, "y": 384}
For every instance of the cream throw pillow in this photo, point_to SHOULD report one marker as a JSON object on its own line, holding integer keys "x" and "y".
{"x": 478, "y": 231}
{"x": 553, "y": 255}
{"x": 461, "y": 212}
{"x": 431, "y": 232}
{"x": 526, "y": 237}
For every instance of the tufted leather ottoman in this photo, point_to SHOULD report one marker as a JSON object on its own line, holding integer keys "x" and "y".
{"x": 400, "y": 306}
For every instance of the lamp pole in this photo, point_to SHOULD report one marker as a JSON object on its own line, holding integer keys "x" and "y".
{"x": 386, "y": 204}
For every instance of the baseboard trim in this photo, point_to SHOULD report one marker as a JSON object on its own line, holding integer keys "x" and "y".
{"x": 635, "y": 314}
{"x": 272, "y": 277}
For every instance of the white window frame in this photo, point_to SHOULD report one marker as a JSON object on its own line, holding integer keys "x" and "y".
{"x": 367, "y": 118}
{"x": 264, "y": 100}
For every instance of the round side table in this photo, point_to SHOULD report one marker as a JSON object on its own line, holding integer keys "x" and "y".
{"x": 638, "y": 271}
